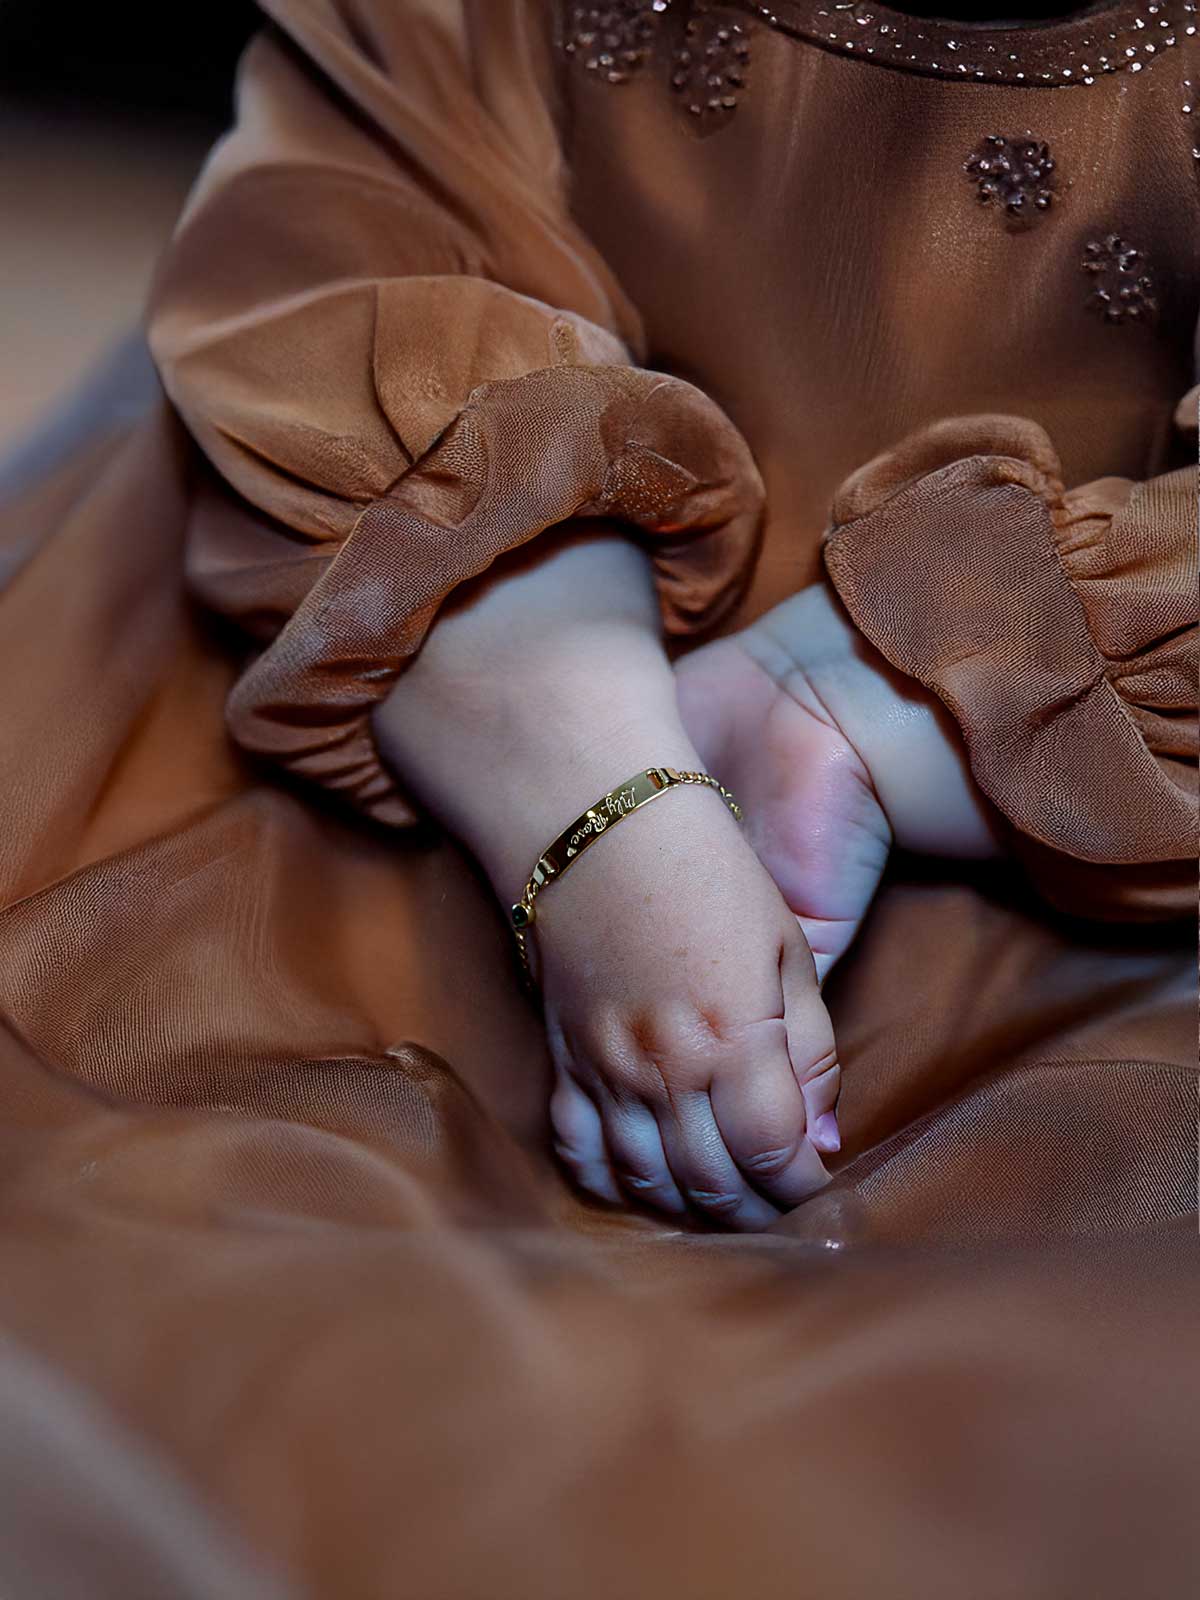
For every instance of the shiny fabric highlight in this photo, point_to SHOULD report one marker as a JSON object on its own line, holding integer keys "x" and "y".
{"x": 280, "y": 1230}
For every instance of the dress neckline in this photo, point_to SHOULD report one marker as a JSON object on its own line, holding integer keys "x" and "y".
{"x": 1124, "y": 36}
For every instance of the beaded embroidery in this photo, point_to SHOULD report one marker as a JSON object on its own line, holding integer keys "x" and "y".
{"x": 1014, "y": 175}
{"x": 709, "y": 67}
{"x": 1119, "y": 38}
{"x": 709, "y": 60}
{"x": 614, "y": 41}
{"x": 1123, "y": 285}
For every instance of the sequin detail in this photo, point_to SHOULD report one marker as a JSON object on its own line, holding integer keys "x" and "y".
{"x": 612, "y": 41}
{"x": 1015, "y": 176}
{"x": 709, "y": 57}
{"x": 1189, "y": 110}
{"x": 1123, "y": 289}
{"x": 709, "y": 68}
{"x": 1125, "y": 38}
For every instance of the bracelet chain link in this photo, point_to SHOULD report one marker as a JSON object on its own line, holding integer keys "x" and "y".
{"x": 634, "y": 793}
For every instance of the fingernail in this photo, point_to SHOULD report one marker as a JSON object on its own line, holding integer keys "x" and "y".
{"x": 825, "y": 1133}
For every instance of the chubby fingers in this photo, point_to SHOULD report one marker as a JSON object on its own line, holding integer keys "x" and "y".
{"x": 763, "y": 1120}
{"x": 679, "y": 1112}
{"x": 633, "y": 1120}
{"x": 636, "y": 1153}
{"x": 612, "y": 1147}
{"x": 579, "y": 1139}
{"x": 657, "y": 1068}
{"x": 704, "y": 1168}
{"x": 811, "y": 1046}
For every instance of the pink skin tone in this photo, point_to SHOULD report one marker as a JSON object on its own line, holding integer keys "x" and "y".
{"x": 695, "y": 1068}
{"x": 836, "y": 758}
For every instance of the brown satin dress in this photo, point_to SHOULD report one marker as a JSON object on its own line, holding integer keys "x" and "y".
{"x": 800, "y": 292}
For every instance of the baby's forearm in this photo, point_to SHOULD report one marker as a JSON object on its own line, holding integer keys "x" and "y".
{"x": 691, "y": 1051}
{"x": 541, "y": 687}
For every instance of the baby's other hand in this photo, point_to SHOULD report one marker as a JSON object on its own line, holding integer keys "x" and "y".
{"x": 695, "y": 1063}
{"x": 834, "y": 756}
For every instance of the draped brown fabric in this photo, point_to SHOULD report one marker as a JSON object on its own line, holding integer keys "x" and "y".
{"x": 450, "y": 415}
{"x": 279, "y": 1226}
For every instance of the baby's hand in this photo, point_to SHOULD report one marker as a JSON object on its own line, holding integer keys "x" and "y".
{"x": 834, "y": 757}
{"x": 695, "y": 1061}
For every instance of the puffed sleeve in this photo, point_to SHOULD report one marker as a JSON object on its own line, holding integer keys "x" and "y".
{"x": 402, "y": 358}
{"x": 1059, "y": 628}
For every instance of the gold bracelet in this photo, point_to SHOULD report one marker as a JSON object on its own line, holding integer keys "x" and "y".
{"x": 587, "y": 828}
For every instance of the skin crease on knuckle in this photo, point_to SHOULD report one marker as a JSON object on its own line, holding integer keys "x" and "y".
{"x": 713, "y": 1192}
{"x": 813, "y": 1071}
{"x": 584, "y": 1150}
{"x": 637, "y": 1057}
{"x": 819, "y": 1069}
{"x": 683, "y": 1048}
{"x": 636, "y": 1152}
{"x": 720, "y": 1206}
{"x": 658, "y": 1190}
{"x": 650, "y": 1067}
{"x": 764, "y": 1165}
{"x": 607, "y": 1157}
{"x": 725, "y": 1198}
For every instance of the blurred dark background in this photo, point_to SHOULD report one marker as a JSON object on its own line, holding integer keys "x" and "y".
{"x": 106, "y": 111}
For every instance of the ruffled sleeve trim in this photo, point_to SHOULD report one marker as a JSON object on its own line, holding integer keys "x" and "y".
{"x": 960, "y": 558}
{"x": 523, "y": 455}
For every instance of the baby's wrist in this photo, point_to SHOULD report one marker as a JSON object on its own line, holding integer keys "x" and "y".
{"x": 621, "y": 891}
{"x": 547, "y": 790}
{"x": 505, "y": 748}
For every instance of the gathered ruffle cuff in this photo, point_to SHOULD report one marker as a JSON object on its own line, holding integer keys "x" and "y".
{"x": 1059, "y": 629}
{"x": 486, "y": 420}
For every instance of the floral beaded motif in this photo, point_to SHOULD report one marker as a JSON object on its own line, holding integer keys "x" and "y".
{"x": 613, "y": 41}
{"x": 1014, "y": 175}
{"x": 709, "y": 67}
{"x": 709, "y": 59}
{"x": 1123, "y": 285}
